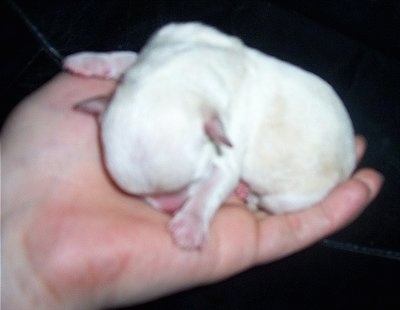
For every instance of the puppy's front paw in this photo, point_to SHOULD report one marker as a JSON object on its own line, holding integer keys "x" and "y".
{"x": 88, "y": 64}
{"x": 187, "y": 231}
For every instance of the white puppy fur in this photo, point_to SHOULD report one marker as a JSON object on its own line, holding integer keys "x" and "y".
{"x": 196, "y": 112}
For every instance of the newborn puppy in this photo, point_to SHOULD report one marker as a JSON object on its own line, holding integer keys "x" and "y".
{"x": 196, "y": 112}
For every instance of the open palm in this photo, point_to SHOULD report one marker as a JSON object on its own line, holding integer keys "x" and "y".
{"x": 71, "y": 238}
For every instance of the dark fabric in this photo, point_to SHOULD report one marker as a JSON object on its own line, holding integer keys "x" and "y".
{"x": 354, "y": 45}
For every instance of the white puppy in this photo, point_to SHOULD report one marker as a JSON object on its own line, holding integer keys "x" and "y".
{"x": 197, "y": 112}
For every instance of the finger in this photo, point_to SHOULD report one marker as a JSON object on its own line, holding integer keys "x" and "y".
{"x": 361, "y": 145}
{"x": 284, "y": 234}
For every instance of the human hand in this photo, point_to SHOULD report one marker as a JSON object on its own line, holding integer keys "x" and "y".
{"x": 72, "y": 239}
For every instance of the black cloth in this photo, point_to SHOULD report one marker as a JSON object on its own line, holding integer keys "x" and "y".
{"x": 354, "y": 45}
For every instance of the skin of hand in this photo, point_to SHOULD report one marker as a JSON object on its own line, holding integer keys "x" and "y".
{"x": 72, "y": 240}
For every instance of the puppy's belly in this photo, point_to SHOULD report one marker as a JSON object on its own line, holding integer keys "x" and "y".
{"x": 168, "y": 202}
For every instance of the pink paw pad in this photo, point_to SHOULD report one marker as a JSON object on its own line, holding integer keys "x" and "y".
{"x": 243, "y": 191}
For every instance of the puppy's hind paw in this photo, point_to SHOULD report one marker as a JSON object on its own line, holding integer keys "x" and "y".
{"x": 187, "y": 231}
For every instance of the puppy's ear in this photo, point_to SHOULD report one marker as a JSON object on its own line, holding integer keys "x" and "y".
{"x": 215, "y": 130}
{"x": 94, "y": 106}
